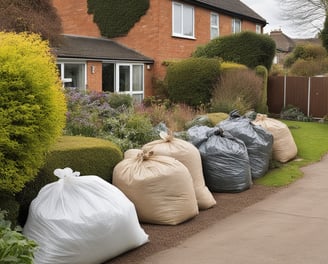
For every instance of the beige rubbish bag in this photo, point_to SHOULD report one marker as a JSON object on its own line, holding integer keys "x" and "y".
{"x": 284, "y": 147}
{"x": 160, "y": 187}
{"x": 189, "y": 155}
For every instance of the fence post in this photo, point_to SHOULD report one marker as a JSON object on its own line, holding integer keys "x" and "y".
{"x": 309, "y": 97}
{"x": 285, "y": 88}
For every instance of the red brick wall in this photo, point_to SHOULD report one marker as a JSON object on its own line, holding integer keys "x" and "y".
{"x": 94, "y": 79}
{"x": 75, "y": 18}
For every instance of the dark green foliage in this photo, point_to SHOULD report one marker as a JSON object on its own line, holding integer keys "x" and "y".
{"x": 116, "y": 17}
{"x": 291, "y": 112}
{"x": 262, "y": 106}
{"x": 324, "y": 34}
{"x": 32, "y": 107}
{"x": 10, "y": 205}
{"x": 89, "y": 156}
{"x": 191, "y": 81}
{"x": 117, "y": 100}
{"x": 246, "y": 48}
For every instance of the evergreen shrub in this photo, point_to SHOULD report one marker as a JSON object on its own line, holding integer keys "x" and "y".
{"x": 191, "y": 81}
{"x": 32, "y": 107}
{"x": 89, "y": 156}
{"x": 262, "y": 106}
{"x": 246, "y": 48}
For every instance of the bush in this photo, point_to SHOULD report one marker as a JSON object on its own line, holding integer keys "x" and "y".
{"x": 309, "y": 68}
{"x": 291, "y": 112}
{"x": 10, "y": 205}
{"x": 305, "y": 52}
{"x": 191, "y": 81}
{"x": 129, "y": 130}
{"x": 89, "y": 156}
{"x": 240, "y": 90}
{"x": 246, "y": 48}
{"x": 262, "y": 105}
{"x": 32, "y": 107}
{"x": 14, "y": 247}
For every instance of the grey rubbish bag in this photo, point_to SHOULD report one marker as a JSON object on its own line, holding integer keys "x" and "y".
{"x": 257, "y": 140}
{"x": 225, "y": 159}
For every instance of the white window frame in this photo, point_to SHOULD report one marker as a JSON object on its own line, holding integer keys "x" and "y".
{"x": 214, "y": 27}
{"x": 117, "y": 79}
{"x": 258, "y": 29}
{"x": 236, "y": 21}
{"x": 182, "y": 34}
{"x": 62, "y": 72}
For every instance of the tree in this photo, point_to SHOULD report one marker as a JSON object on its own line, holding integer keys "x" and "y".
{"x": 37, "y": 16}
{"x": 324, "y": 34}
{"x": 306, "y": 15}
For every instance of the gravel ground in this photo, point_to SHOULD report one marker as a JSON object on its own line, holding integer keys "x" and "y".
{"x": 164, "y": 237}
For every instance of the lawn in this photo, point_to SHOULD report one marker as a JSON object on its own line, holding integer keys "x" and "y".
{"x": 311, "y": 139}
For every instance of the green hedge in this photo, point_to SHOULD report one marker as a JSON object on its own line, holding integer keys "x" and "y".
{"x": 246, "y": 48}
{"x": 89, "y": 156}
{"x": 116, "y": 18}
{"x": 262, "y": 107}
{"x": 191, "y": 81}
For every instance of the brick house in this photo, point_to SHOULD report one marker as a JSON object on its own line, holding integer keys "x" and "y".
{"x": 169, "y": 30}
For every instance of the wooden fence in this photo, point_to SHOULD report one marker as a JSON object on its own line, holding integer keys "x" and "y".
{"x": 310, "y": 94}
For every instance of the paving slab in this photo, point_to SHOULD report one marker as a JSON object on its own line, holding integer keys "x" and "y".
{"x": 290, "y": 226}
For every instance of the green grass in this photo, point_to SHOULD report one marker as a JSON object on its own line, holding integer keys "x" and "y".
{"x": 311, "y": 139}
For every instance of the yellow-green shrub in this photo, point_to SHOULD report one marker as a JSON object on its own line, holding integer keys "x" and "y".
{"x": 89, "y": 156}
{"x": 32, "y": 107}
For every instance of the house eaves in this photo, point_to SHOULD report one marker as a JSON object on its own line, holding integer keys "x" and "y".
{"x": 91, "y": 48}
{"x": 234, "y": 8}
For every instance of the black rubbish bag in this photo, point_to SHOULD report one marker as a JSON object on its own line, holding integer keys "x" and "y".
{"x": 225, "y": 160}
{"x": 257, "y": 140}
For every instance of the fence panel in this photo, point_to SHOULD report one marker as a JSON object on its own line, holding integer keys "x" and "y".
{"x": 308, "y": 94}
{"x": 319, "y": 97}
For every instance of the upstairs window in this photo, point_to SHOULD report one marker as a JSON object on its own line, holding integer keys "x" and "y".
{"x": 258, "y": 29}
{"x": 214, "y": 25}
{"x": 236, "y": 25}
{"x": 182, "y": 20}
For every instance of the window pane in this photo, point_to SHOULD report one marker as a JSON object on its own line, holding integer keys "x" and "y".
{"x": 177, "y": 19}
{"x": 214, "y": 33}
{"x": 74, "y": 76}
{"x": 137, "y": 78}
{"x": 214, "y": 20}
{"x": 124, "y": 81}
{"x": 137, "y": 98}
{"x": 188, "y": 21}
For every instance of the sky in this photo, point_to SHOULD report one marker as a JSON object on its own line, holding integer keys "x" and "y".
{"x": 272, "y": 12}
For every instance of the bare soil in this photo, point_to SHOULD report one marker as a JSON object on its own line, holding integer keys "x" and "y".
{"x": 163, "y": 237}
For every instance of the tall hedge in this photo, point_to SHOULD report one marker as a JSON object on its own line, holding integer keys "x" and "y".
{"x": 246, "y": 48}
{"x": 262, "y": 106}
{"x": 116, "y": 18}
{"x": 191, "y": 81}
{"x": 32, "y": 107}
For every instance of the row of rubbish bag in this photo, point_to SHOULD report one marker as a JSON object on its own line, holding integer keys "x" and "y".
{"x": 168, "y": 181}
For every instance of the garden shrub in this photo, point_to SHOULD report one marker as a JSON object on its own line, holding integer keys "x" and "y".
{"x": 246, "y": 48}
{"x": 262, "y": 105}
{"x": 239, "y": 89}
{"x": 89, "y": 156}
{"x": 117, "y": 100}
{"x": 32, "y": 107}
{"x": 129, "y": 130}
{"x": 226, "y": 66}
{"x": 309, "y": 68}
{"x": 191, "y": 81}
{"x": 14, "y": 246}
{"x": 291, "y": 112}
{"x": 305, "y": 51}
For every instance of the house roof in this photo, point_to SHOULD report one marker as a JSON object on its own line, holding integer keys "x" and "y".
{"x": 72, "y": 46}
{"x": 231, "y": 7}
{"x": 283, "y": 42}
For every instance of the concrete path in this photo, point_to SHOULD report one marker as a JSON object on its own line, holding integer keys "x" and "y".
{"x": 289, "y": 227}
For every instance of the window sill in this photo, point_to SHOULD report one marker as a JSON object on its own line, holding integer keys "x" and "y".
{"x": 184, "y": 37}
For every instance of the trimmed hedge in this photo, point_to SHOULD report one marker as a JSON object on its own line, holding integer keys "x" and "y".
{"x": 89, "y": 156}
{"x": 246, "y": 48}
{"x": 116, "y": 18}
{"x": 262, "y": 106}
{"x": 191, "y": 81}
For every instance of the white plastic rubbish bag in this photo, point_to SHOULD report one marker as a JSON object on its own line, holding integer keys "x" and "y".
{"x": 82, "y": 220}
